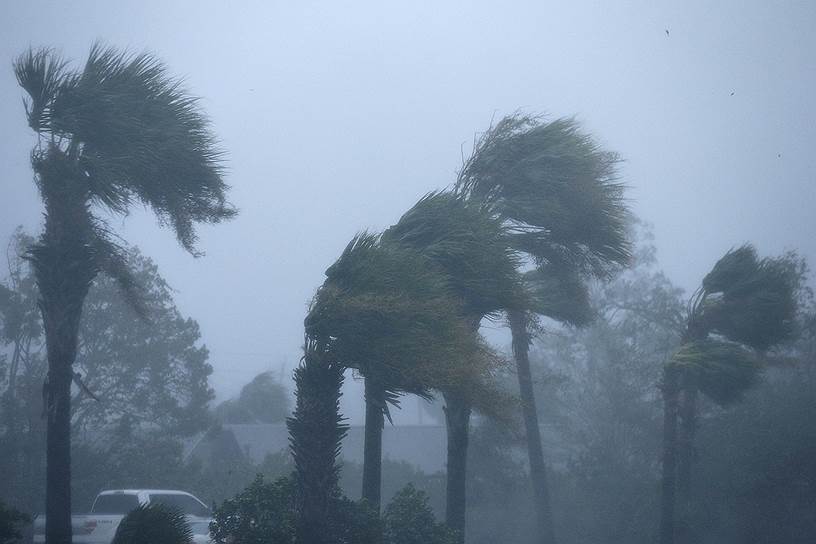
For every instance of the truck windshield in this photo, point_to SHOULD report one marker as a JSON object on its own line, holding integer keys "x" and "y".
{"x": 118, "y": 503}
{"x": 185, "y": 503}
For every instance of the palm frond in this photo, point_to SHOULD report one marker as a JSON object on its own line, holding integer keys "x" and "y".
{"x": 111, "y": 259}
{"x": 139, "y": 136}
{"x": 556, "y": 188}
{"x": 733, "y": 268}
{"x": 721, "y": 370}
{"x": 470, "y": 245}
{"x": 42, "y": 74}
{"x": 748, "y": 299}
{"x": 475, "y": 378}
{"x": 386, "y": 312}
{"x": 559, "y": 294}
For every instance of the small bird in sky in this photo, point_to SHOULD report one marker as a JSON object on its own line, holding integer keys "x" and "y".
{"x": 667, "y": 32}
{"x": 732, "y": 93}
{"x": 779, "y": 155}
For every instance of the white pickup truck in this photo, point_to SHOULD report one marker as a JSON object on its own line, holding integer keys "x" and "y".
{"x": 110, "y": 507}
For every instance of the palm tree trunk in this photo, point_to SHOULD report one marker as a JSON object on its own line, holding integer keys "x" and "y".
{"x": 685, "y": 459}
{"x": 61, "y": 316}
{"x": 457, "y": 419}
{"x": 538, "y": 469}
{"x": 668, "y": 481}
{"x": 58, "y": 452}
{"x": 12, "y": 447}
{"x": 316, "y": 430}
{"x": 63, "y": 267}
{"x": 372, "y": 445}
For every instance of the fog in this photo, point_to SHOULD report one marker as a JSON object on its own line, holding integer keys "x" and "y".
{"x": 336, "y": 118}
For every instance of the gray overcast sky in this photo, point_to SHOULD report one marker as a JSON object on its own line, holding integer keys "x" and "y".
{"x": 337, "y": 116}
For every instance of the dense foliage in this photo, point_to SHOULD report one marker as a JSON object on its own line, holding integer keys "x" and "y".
{"x": 11, "y": 524}
{"x": 263, "y": 400}
{"x": 265, "y": 513}
{"x": 153, "y": 524}
{"x": 142, "y": 385}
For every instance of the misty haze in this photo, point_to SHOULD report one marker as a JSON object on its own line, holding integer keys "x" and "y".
{"x": 419, "y": 273}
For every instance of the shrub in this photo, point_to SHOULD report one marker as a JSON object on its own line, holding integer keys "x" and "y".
{"x": 10, "y": 524}
{"x": 408, "y": 519}
{"x": 354, "y": 523}
{"x": 263, "y": 513}
{"x": 154, "y": 524}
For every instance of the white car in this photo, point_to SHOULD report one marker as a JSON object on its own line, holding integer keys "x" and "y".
{"x": 109, "y": 507}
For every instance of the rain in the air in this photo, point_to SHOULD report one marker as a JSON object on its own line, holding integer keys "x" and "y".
{"x": 367, "y": 272}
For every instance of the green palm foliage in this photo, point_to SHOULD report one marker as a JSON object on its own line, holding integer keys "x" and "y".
{"x": 744, "y": 306}
{"x": 556, "y": 188}
{"x": 562, "y": 295}
{"x": 721, "y": 370}
{"x": 470, "y": 246}
{"x": 557, "y": 193}
{"x": 131, "y": 132}
{"x": 117, "y": 132}
{"x": 386, "y": 312}
{"x": 153, "y": 524}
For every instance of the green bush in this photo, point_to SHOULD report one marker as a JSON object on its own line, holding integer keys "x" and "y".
{"x": 408, "y": 519}
{"x": 263, "y": 513}
{"x": 154, "y": 524}
{"x": 266, "y": 513}
{"x": 354, "y": 523}
{"x": 11, "y": 522}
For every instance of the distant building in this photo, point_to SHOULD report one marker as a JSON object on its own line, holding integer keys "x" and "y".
{"x": 423, "y": 446}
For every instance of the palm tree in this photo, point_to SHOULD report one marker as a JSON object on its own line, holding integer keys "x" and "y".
{"x": 384, "y": 312}
{"x": 117, "y": 132}
{"x": 744, "y": 306}
{"x": 470, "y": 246}
{"x": 316, "y": 431}
{"x": 557, "y": 193}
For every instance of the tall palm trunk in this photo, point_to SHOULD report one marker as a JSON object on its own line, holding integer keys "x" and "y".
{"x": 671, "y": 392}
{"x": 63, "y": 268}
{"x": 457, "y": 419}
{"x": 14, "y": 435}
{"x": 685, "y": 459}
{"x": 372, "y": 445}
{"x": 315, "y": 435}
{"x": 538, "y": 469}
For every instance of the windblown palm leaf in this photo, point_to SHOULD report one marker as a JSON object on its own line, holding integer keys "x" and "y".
{"x": 135, "y": 133}
{"x": 385, "y": 312}
{"x": 561, "y": 295}
{"x": 747, "y": 299}
{"x": 555, "y": 187}
{"x": 721, "y": 370}
{"x": 469, "y": 245}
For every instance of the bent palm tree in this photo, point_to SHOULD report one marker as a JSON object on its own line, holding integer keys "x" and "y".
{"x": 744, "y": 306}
{"x": 470, "y": 246}
{"x": 384, "y": 312}
{"x": 117, "y": 132}
{"x": 557, "y": 193}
